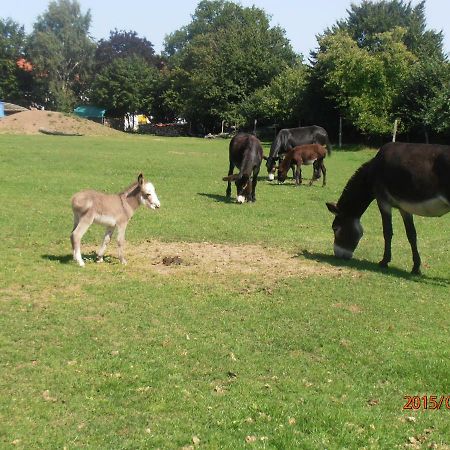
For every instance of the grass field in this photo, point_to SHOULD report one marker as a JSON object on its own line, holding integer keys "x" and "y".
{"x": 259, "y": 338}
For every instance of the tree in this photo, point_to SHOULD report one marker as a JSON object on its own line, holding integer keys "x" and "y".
{"x": 222, "y": 56}
{"x": 12, "y": 44}
{"x": 365, "y": 84}
{"x": 381, "y": 63}
{"x": 61, "y": 50}
{"x": 368, "y": 19}
{"x": 282, "y": 101}
{"x": 122, "y": 44}
{"x": 125, "y": 86}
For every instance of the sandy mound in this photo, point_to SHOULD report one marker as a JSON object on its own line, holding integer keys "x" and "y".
{"x": 31, "y": 122}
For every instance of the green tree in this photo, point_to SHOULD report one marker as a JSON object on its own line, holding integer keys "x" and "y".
{"x": 365, "y": 84}
{"x": 221, "y": 57}
{"x": 12, "y": 43}
{"x": 282, "y": 101}
{"x": 61, "y": 50}
{"x": 381, "y": 63}
{"x": 122, "y": 44}
{"x": 125, "y": 86}
{"x": 367, "y": 20}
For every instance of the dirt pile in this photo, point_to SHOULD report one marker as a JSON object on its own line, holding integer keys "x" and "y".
{"x": 50, "y": 122}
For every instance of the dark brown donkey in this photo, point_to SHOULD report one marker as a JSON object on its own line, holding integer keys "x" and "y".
{"x": 111, "y": 211}
{"x": 414, "y": 178}
{"x": 246, "y": 154}
{"x": 304, "y": 154}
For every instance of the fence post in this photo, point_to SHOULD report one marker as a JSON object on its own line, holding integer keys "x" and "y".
{"x": 394, "y": 134}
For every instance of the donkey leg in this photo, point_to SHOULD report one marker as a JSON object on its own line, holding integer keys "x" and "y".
{"x": 254, "y": 183}
{"x": 121, "y": 242}
{"x": 324, "y": 171}
{"x": 230, "y": 172}
{"x": 386, "y": 218}
{"x": 106, "y": 240}
{"x": 408, "y": 221}
{"x": 76, "y": 236}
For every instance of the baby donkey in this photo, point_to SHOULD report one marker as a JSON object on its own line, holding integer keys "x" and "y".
{"x": 111, "y": 211}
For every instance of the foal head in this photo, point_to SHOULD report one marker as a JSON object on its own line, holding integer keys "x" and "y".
{"x": 147, "y": 193}
{"x": 347, "y": 232}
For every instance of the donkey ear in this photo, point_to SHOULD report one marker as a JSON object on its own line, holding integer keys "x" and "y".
{"x": 141, "y": 179}
{"x": 233, "y": 177}
{"x": 332, "y": 208}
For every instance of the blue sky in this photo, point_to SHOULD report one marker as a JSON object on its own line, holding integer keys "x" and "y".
{"x": 302, "y": 19}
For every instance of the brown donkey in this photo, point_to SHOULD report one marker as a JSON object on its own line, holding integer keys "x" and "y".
{"x": 111, "y": 211}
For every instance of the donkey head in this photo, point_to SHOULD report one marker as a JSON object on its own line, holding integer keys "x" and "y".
{"x": 347, "y": 232}
{"x": 147, "y": 194}
{"x": 243, "y": 186}
{"x": 281, "y": 175}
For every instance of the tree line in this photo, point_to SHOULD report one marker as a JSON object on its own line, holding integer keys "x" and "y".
{"x": 377, "y": 65}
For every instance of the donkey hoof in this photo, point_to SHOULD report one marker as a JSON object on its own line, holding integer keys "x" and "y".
{"x": 383, "y": 263}
{"x": 416, "y": 271}
{"x": 99, "y": 259}
{"x": 124, "y": 262}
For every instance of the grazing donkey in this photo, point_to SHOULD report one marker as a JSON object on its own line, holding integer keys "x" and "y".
{"x": 414, "y": 178}
{"x": 246, "y": 154}
{"x": 111, "y": 211}
{"x": 288, "y": 138}
{"x": 304, "y": 154}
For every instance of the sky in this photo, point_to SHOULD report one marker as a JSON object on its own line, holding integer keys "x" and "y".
{"x": 154, "y": 19}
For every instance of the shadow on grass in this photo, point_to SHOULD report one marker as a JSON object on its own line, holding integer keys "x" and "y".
{"x": 217, "y": 197}
{"x": 68, "y": 259}
{"x": 369, "y": 266}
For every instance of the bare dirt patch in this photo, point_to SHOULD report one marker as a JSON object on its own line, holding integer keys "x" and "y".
{"x": 216, "y": 260}
{"x": 31, "y": 122}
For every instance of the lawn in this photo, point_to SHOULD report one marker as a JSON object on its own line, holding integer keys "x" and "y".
{"x": 258, "y": 338}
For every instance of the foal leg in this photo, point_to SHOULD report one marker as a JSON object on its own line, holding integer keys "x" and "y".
{"x": 408, "y": 221}
{"x": 106, "y": 240}
{"x": 298, "y": 175}
{"x": 76, "y": 236}
{"x": 386, "y": 218}
{"x": 121, "y": 242}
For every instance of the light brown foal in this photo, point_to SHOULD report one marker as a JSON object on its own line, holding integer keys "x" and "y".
{"x": 110, "y": 210}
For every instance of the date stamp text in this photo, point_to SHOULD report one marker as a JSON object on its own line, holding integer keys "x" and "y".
{"x": 416, "y": 402}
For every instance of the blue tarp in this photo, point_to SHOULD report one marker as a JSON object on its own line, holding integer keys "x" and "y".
{"x": 2, "y": 110}
{"x": 90, "y": 112}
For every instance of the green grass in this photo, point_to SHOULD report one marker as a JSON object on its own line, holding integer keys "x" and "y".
{"x": 114, "y": 356}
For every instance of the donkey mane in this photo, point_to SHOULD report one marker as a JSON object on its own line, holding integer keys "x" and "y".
{"x": 358, "y": 193}
{"x": 130, "y": 189}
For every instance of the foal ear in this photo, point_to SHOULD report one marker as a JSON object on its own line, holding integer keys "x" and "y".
{"x": 332, "y": 208}
{"x": 233, "y": 177}
{"x": 140, "y": 179}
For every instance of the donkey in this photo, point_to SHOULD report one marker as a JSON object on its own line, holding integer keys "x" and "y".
{"x": 304, "y": 154}
{"x": 246, "y": 153}
{"x": 111, "y": 211}
{"x": 288, "y": 138}
{"x": 414, "y": 178}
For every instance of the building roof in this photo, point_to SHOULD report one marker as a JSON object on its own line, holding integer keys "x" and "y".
{"x": 11, "y": 107}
